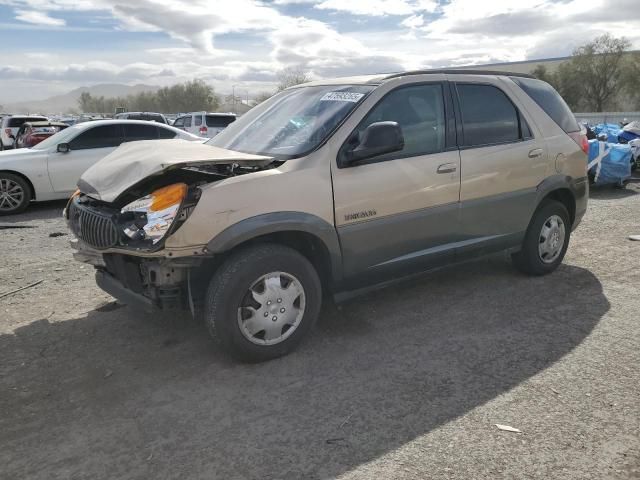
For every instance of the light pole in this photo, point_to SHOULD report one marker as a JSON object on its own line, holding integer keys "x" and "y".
{"x": 233, "y": 94}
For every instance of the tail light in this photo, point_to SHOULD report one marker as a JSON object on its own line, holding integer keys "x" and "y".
{"x": 203, "y": 130}
{"x": 585, "y": 144}
{"x": 581, "y": 140}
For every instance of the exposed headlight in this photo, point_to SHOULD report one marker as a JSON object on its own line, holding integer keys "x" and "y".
{"x": 154, "y": 214}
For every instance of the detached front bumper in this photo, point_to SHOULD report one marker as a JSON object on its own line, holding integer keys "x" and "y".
{"x": 116, "y": 289}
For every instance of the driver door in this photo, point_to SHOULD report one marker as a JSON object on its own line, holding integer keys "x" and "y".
{"x": 65, "y": 169}
{"x": 398, "y": 212}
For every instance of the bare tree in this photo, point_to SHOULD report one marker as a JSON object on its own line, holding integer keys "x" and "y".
{"x": 290, "y": 76}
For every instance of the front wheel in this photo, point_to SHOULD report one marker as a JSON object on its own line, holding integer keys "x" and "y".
{"x": 262, "y": 301}
{"x": 546, "y": 240}
{"x": 15, "y": 194}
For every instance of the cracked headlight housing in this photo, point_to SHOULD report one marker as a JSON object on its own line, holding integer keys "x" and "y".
{"x": 153, "y": 215}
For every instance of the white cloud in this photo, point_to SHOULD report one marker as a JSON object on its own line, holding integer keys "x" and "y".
{"x": 39, "y": 18}
{"x": 379, "y": 7}
{"x": 419, "y": 34}
{"x": 413, "y": 21}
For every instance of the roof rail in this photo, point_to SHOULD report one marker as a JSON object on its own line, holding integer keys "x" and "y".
{"x": 454, "y": 71}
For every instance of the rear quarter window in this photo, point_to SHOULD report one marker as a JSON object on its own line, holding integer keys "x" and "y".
{"x": 219, "y": 120}
{"x": 550, "y": 101}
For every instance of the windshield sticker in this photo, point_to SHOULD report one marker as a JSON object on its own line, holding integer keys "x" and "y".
{"x": 342, "y": 97}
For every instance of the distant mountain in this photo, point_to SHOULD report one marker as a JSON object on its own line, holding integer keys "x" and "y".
{"x": 69, "y": 101}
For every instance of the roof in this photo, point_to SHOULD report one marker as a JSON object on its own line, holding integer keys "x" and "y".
{"x": 120, "y": 121}
{"x": 379, "y": 78}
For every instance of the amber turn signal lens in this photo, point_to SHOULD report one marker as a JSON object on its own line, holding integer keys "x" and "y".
{"x": 167, "y": 196}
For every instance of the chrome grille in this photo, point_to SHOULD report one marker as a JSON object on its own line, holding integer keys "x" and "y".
{"x": 96, "y": 229}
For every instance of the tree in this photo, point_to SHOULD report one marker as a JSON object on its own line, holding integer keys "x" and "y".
{"x": 599, "y": 66}
{"x": 261, "y": 97}
{"x": 631, "y": 79}
{"x": 184, "y": 97}
{"x": 594, "y": 76}
{"x": 541, "y": 73}
{"x": 290, "y": 76}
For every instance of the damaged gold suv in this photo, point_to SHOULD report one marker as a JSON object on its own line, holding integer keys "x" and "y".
{"x": 330, "y": 187}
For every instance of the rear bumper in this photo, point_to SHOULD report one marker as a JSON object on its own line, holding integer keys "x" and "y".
{"x": 581, "y": 194}
{"x": 116, "y": 289}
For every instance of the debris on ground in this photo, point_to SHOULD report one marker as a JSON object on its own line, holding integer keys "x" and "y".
{"x": 21, "y": 288}
{"x": 507, "y": 428}
{"x": 57, "y": 234}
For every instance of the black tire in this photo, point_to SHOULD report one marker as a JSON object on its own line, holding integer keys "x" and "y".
{"x": 229, "y": 289}
{"x": 5, "y": 208}
{"x": 528, "y": 259}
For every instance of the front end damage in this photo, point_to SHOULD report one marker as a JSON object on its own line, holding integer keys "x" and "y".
{"x": 124, "y": 237}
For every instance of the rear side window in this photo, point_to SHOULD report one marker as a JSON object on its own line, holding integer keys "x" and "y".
{"x": 187, "y": 121}
{"x": 165, "y": 133}
{"x": 98, "y": 137}
{"x": 219, "y": 121}
{"x": 550, "y": 101}
{"x": 198, "y": 120}
{"x": 133, "y": 132}
{"x": 17, "y": 122}
{"x": 488, "y": 116}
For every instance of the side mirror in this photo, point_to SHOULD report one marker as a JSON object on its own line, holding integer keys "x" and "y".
{"x": 64, "y": 148}
{"x": 378, "y": 138}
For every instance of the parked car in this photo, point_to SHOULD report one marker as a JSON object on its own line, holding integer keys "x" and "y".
{"x": 204, "y": 124}
{"x": 32, "y": 133}
{"x": 51, "y": 169}
{"x": 148, "y": 116}
{"x": 329, "y": 187}
{"x": 10, "y": 125}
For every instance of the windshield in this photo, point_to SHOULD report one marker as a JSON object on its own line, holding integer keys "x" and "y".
{"x": 63, "y": 136}
{"x": 294, "y": 122}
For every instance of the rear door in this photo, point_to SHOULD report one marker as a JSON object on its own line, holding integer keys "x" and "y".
{"x": 503, "y": 159}
{"x": 87, "y": 148}
{"x": 398, "y": 212}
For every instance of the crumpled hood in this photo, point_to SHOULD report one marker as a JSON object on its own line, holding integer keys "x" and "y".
{"x": 135, "y": 161}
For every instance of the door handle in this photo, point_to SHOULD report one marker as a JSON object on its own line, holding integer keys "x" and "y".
{"x": 447, "y": 168}
{"x": 535, "y": 153}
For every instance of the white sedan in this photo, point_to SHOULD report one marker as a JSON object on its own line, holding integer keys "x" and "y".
{"x": 51, "y": 169}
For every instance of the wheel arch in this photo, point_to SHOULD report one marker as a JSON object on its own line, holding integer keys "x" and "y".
{"x": 561, "y": 189}
{"x": 313, "y": 237}
{"x": 25, "y": 178}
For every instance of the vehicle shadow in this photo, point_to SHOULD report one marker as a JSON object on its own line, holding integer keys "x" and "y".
{"x": 612, "y": 193}
{"x": 119, "y": 394}
{"x": 36, "y": 211}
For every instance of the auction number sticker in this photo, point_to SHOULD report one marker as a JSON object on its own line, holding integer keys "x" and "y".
{"x": 341, "y": 97}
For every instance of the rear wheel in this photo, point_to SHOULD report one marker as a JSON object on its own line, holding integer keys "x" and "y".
{"x": 546, "y": 240}
{"x": 262, "y": 301}
{"x": 15, "y": 194}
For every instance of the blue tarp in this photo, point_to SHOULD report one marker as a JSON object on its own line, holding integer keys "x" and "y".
{"x": 610, "y": 129}
{"x": 628, "y": 136}
{"x": 609, "y": 163}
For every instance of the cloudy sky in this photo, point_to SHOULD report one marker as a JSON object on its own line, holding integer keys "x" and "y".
{"x": 52, "y": 46}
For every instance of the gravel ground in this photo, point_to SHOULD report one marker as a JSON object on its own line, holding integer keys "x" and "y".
{"x": 406, "y": 383}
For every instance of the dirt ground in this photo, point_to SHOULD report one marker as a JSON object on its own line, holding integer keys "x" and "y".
{"x": 406, "y": 383}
